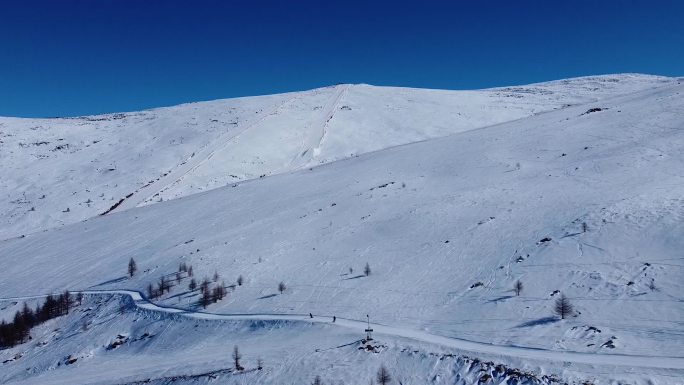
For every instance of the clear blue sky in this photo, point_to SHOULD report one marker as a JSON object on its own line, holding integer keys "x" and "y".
{"x": 65, "y": 58}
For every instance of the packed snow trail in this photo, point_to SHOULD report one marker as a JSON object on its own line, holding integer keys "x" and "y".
{"x": 329, "y": 113}
{"x": 310, "y": 146}
{"x": 199, "y": 158}
{"x": 660, "y": 362}
{"x": 149, "y": 190}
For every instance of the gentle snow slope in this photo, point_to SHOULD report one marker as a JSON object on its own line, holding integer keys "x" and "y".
{"x": 124, "y": 339}
{"x": 446, "y": 225}
{"x": 157, "y": 348}
{"x": 61, "y": 171}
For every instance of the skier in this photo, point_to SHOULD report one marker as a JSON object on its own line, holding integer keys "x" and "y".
{"x": 334, "y": 318}
{"x": 310, "y": 315}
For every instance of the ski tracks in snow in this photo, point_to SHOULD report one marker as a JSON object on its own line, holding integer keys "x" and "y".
{"x": 196, "y": 160}
{"x": 152, "y": 189}
{"x": 311, "y": 144}
{"x": 330, "y": 112}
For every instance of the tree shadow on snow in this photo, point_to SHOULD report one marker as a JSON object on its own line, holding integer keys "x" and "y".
{"x": 503, "y": 297}
{"x": 354, "y": 277}
{"x": 339, "y": 346}
{"x": 179, "y": 294}
{"x": 538, "y": 322}
{"x": 115, "y": 280}
{"x": 267, "y": 296}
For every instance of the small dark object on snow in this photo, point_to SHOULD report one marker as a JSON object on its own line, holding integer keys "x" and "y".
{"x": 595, "y": 109}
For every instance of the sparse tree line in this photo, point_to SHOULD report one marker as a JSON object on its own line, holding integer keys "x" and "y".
{"x": 237, "y": 356}
{"x": 562, "y": 307}
{"x": 366, "y": 270}
{"x": 18, "y": 330}
{"x": 165, "y": 283}
{"x": 211, "y": 291}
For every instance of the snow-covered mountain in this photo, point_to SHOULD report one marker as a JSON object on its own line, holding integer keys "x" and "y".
{"x": 573, "y": 187}
{"x": 61, "y": 171}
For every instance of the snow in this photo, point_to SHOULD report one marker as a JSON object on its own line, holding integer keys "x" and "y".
{"x": 61, "y": 171}
{"x": 566, "y": 198}
{"x": 153, "y": 343}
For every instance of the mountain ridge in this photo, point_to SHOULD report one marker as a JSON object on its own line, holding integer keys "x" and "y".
{"x": 94, "y": 162}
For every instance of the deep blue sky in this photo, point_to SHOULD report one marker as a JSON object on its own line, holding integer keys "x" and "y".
{"x": 63, "y": 58}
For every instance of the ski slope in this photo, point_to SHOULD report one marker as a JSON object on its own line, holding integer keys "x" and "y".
{"x": 584, "y": 200}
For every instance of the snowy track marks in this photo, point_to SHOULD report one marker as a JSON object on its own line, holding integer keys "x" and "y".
{"x": 196, "y": 159}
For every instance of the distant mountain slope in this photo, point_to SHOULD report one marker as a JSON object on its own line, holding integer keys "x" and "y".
{"x": 61, "y": 171}
{"x": 585, "y": 201}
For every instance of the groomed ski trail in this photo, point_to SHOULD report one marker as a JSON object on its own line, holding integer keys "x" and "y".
{"x": 658, "y": 362}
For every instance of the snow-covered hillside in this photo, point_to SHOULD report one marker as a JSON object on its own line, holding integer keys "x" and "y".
{"x": 585, "y": 200}
{"x": 61, "y": 171}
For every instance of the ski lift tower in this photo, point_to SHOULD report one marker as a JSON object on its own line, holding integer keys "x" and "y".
{"x": 368, "y": 330}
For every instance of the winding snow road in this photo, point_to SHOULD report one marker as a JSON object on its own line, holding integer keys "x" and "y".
{"x": 661, "y": 362}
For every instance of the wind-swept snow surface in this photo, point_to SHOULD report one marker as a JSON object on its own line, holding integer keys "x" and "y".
{"x": 585, "y": 201}
{"x": 61, "y": 171}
